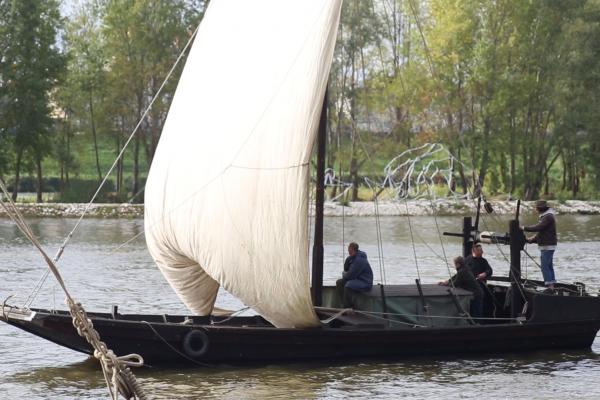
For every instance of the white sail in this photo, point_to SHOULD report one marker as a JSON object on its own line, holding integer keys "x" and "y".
{"x": 227, "y": 195}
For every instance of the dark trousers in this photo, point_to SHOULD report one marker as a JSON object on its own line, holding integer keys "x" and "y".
{"x": 487, "y": 302}
{"x": 345, "y": 294}
{"x": 476, "y": 309}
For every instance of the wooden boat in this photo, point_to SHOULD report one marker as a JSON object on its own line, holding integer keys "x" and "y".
{"x": 228, "y": 206}
{"x": 552, "y": 321}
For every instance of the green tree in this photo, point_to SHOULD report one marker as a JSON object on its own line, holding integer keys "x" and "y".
{"x": 143, "y": 40}
{"x": 358, "y": 32}
{"x": 84, "y": 92}
{"x": 30, "y": 68}
{"x": 580, "y": 88}
{"x": 5, "y": 139}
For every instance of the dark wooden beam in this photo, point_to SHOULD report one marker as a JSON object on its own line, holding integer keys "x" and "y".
{"x": 317, "y": 259}
{"x": 516, "y": 245}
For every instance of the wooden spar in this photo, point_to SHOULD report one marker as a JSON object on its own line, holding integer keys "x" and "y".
{"x": 317, "y": 259}
{"x": 466, "y": 235}
{"x": 517, "y": 240}
{"x": 421, "y": 296}
{"x": 383, "y": 301}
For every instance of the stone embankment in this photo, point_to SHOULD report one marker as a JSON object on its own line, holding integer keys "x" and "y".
{"x": 358, "y": 209}
{"x": 453, "y": 207}
{"x": 75, "y": 210}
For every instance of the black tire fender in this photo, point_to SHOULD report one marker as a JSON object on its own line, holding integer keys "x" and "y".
{"x": 196, "y": 343}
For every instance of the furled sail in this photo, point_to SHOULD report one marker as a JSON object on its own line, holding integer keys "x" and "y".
{"x": 227, "y": 194}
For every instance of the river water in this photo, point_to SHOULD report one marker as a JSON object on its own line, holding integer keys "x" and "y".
{"x": 99, "y": 274}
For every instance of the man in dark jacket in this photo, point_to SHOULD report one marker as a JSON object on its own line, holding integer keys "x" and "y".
{"x": 357, "y": 275}
{"x": 464, "y": 279}
{"x": 478, "y": 264}
{"x": 481, "y": 270}
{"x": 546, "y": 240}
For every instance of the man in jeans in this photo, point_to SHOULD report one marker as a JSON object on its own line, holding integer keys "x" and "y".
{"x": 546, "y": 240}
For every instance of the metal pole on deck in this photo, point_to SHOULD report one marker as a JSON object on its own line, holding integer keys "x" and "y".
{"x": 317, "y": 259}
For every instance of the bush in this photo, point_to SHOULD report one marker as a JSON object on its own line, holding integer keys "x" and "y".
{"x": 82, "y": 190}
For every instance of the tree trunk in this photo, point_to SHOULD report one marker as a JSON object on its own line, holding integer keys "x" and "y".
{"x": 353, "y": 133}
{"x": 331, "y": 156}
{"x": 40, "y": 178}
{"x": 354, "y": 177}
{"x": 118, "y": 183}
{"x": 461, "y": 172}
{"x": 513, "y": 153}
{"x": 17, "y": 173}
{"x": 93, "y": 124}
{"x": 504, "y": 172}
{"x": 68, "y": 155}
{"x": 136, "y": 165}
{"x": 564, "y": 171}
{"x": 485, "y": 158}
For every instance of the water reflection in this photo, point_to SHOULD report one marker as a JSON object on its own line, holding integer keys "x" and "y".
{"x": 418, "y": 377}
{"x": 99, "y": 277}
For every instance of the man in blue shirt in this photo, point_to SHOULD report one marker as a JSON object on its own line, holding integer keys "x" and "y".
{"x": 357, "y": 276}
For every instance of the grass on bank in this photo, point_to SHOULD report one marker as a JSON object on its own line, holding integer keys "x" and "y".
{"x": 84, "y": 177}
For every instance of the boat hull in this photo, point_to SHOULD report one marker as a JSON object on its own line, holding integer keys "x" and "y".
{"x": 170, "y": 342}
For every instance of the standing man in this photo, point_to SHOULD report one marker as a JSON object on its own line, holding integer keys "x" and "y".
{"x": 546, "y": 240}
{"x": 357, "y": 275}
{"x": 479, "y": 266}
{"x": 481, "y": 271}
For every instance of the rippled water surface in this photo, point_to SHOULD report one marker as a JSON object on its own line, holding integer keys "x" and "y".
{"x": 100, "y": 274}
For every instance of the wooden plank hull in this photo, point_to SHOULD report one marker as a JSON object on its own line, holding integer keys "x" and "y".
{"x": 164, "y": 342}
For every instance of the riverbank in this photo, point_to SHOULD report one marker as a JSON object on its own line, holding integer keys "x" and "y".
{"x": 354, "y": 209}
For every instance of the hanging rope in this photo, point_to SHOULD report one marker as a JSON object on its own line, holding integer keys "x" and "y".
{"x": 378, "y": 232}
{"x": 61, "y": 249}
{"x": 412, "y": 240}
{"x": 381, "y": 315}
{"x": 117, "y": 374}
{"x": 343, "y": 233}
{"x": 379, "y": 243}
{"x": 440, "y": 236}
{"x": 461, "y": 139}
{"x": 379, "y": 238}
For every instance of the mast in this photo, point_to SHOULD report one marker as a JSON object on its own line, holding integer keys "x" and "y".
{"x": 517, "y": 242}
{"x": 317, "y": 260}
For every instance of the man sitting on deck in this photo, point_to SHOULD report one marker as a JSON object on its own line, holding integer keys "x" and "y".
{"x": 465, "y": 279}
{"x": 357, "y": 276}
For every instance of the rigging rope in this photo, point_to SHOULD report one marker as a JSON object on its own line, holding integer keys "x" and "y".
{"x": 379, "y": 238}
{"x": 506, "y": 259}
{"x": 412, "y": 240}
{"x": 378, "y": 232}
{"x": 343, "y": 232}
{"x": 461, "y": 139}
{"x": 117, "y": 374}
{"x": 119, "y": 156}
{"x": 379, "y": 244}
{"x": 381, "y": 315}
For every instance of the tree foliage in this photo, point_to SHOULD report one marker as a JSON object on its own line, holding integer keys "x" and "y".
{"x": 510, "y": 87}
{"x": 30, "y": 67}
